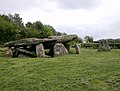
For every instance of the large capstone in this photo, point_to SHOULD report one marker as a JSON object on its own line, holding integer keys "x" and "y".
{"x": 64, "y": 38}
{"x": 59, "y": 49}
{"x": 103, "y": 45}
{"x": 29, "y": 42}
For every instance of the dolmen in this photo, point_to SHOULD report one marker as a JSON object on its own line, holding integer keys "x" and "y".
{"x": 34, "y": 47}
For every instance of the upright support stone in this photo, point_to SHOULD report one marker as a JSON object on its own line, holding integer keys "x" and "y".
{"x": 40, "y": 52}
{"x": 59, "y": 49}
{"x": 9, "y": 52}
{"x": 12, "y": 52}
{"x": 15, "y": 53}
{"x": 77, "y": 48}
{"x": 103, "y": 45}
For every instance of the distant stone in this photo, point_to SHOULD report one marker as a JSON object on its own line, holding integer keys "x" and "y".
{"x": 103, "y": 45}
{"x": 59, "y": 49}
{"x": 77, "y": 48}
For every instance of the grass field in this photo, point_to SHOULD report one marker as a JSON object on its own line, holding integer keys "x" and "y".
{"x": 89, "y": 71}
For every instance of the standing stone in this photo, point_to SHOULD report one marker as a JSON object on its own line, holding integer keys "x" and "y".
{"x": 40, "y": 52}
{"x": 59, "y": 49}
{"x": 103, "y": 45}
{"x": 77, "y": 48}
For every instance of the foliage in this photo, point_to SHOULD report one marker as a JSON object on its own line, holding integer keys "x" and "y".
{"x": 113, "y": 41}
{"x": 88, "y": 39}
{"x": 90, "y": 45}
{"x": 7, "y": 30}
{"x": 12, "y": 28}
{"x": 16, "y": 19}
{"x": 46, "y": 32}
{"x": 89, "y": 71}
{"x": 76, "y": 41}
{"x": 51, "y": 29}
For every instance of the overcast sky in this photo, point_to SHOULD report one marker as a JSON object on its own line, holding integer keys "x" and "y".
{"x": 97, "y": 18}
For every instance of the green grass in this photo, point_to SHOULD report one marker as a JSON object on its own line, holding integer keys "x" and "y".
{"x": 89, "y": 71}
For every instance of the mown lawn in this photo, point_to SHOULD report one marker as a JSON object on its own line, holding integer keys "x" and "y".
{"x": 89, "y": 71}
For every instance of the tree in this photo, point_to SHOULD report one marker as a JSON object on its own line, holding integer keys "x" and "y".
{"x": 88, "y": 39}
{"x": 29, "y": 25}
{"x": 46, "y": 32}
{"x": 80, "y": 40}
{"x": 17, "y": 20}
{"x": 53, "y": 31}
{"x": 37, "y": 25}
{"x": 20, "y": 28}
{"x": 7, "y": 29}
{"x": 12, "y": 28}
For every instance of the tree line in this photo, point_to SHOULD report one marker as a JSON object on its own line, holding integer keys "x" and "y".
{"x": 12, "y": 28}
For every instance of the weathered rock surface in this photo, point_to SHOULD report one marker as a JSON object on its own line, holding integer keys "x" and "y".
{"x": 40, "y": 52}
{"x": 9, "y": 52}
{"x": 27, "y": 42}
{"x": 103, "y": 45}
{"x": 59, "y": 49}
{"x": 25, "y": 52}
{"x": 24, "y": 56}
{"x": 64, "y": 39}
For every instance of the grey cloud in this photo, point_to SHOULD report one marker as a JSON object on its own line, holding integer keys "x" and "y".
{"x": 20, "y": 5}
{"x": 15, "y": 5}
{"x": 78, "y": 4}
{"x": 110, "y": 29}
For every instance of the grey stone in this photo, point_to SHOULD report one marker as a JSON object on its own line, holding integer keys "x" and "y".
{"x": 24, "y": 51}
{"x": 40, "y": 52}
{"x": 27, "y": 42}
{"x": 23, "y": 56}
{"x": 103, "y": 45}
{"x": 77, "y": 48}
{"x": 9, "y": 52}
{"x": 59, "y": 49}
{"x": 64, "y": 38}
